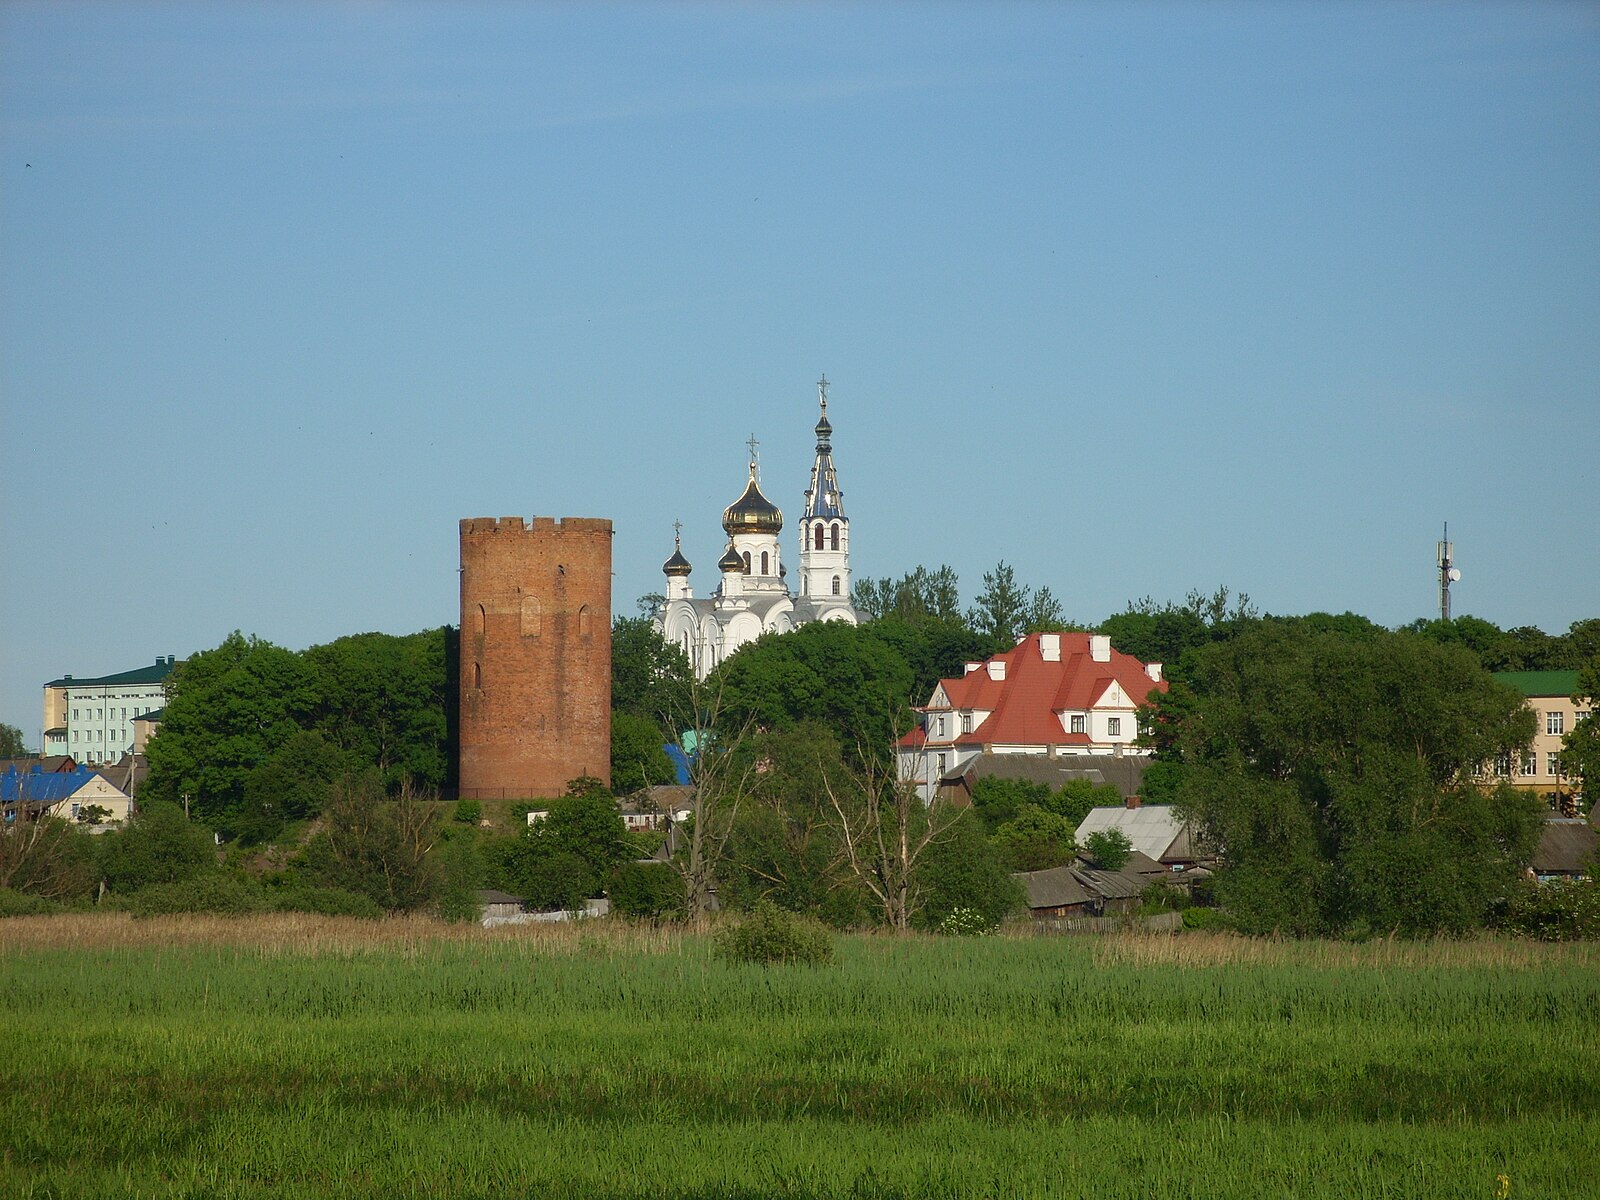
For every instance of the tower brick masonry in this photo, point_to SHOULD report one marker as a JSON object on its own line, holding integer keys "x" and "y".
{"x": 535, "y": 655}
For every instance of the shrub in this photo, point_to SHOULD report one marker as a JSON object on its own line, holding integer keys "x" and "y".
{"x": 770, "y": 935}
{"x": 649, "y": 890}
{"x": 20, "y": 904}
{"x": 1162, "y": 897}
{"x": 1558, "y": 911}
{"x": 325, "y": 901}
{"x": 1208, "y": 918}
{"x": 216, "y": 893}
{"x": 468, "y": 812}
{"x": 965, "y": 922}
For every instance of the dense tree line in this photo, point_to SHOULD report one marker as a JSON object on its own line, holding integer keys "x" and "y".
{"x": 1335, "y": 763}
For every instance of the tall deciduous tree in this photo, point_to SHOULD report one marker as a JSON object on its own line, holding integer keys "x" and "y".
{"x": 842, "y": 676}
{"x": 227, "y": 710}
{"x": 1580, "y": 751}
{"x": 1339, "y": 778}
{"x": 11, "y": 744}
{"x": 650, "y": 677}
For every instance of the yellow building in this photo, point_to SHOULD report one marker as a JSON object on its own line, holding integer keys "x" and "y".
{"x": 1538, "y": 768}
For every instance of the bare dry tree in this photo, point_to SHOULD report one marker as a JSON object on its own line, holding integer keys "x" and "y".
{"x": 884, "y": 830}
{"x": 721, "y": 778}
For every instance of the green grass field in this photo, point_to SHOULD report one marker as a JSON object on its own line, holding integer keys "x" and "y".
{"x": 292, "y": 1056}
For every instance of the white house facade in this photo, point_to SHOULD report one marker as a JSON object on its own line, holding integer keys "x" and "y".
{"x": 752, "y": 596}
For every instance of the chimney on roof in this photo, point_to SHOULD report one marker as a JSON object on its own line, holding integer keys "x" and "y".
{"x": 1133, "y": 802}
{"x": 1153, "y": 670}
{"x": 1099, "y": 647}
{"x": 997, "y": 668}
{"x": 970, "y": 668}
{"x": 1050, "y": 647}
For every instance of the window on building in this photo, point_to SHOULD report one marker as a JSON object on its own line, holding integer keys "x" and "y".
{"x": 966, "y": 722}
{"x": 1530, "y": 763}
{"x": 1555, "y": 722}
{"x": 483, "y": 619}
{"x": 836, "y": 585}
{"x": 74, "y": 714}
{"x": 1113, "y": 726}
{"x": 1080, "y": 723}
{"x": 816, "y": 536}
{"x": 1552, "y": 762}
{"x": 764, "y": 564}
{"x": 833, "y": 537}
{"x": 942, "y": 760}
{"x": 584, "y": 621}
{"x": 477, "y": 675}
{"x": 747, "y": 562}
{"x": 532, "y": 617}
{"x": 1502, "y": 764}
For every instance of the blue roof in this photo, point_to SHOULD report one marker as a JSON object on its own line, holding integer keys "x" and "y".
{"x": 680, "y": 762}
{"x": 42, "y": 787}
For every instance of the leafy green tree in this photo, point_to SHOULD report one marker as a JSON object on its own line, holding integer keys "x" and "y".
{"x": 1110, "y": 849}
{"x": 782, "y": 847}
{"x": 649, "y": 891}
{"x": 586, "y": 823}
{"x": 921, "y": 595}
{"x": 932, "y": 649}
{"x": 382, "y": 699}
{"x": 997, "y": 800}
{"x": 843, "y": 676}
{"x": 650, "y": 677}
{"x": 160, "y": 845}
{"x": 11, "y": 743}
{"x": 638, "y": 755}
{"x": 962, "y": 869}
{"x": 227, "y": 711}
{"x": 1580, "y": 750}
{"x": 290, "y": 786}
{"x": 1003, "y": 608}
{"x": 1339, "y": 777}
{"x": 375, "y": 845}
{"x": 1035, "y": 839}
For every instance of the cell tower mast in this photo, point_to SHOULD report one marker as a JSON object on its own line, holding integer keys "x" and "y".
{"x": 1447, "y": 572}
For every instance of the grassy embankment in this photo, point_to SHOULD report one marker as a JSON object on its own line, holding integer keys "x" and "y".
{"x": 294, "y": 1056}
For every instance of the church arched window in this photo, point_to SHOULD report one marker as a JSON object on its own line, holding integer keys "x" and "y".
{"x": 747, "y": 562}
{"x": 816, "y": 537}
{"x": 835, "y": 585}
{"x": 583, "y": 621}
{"x": 477, "y": 675}
{"x": 834, "y": 538}
{"x": 483, "y": 619}
{"x": 764, "y": 570}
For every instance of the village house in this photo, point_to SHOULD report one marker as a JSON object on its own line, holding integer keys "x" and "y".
{"x": 1061, "y": 696}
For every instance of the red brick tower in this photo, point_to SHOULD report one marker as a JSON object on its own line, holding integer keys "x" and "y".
{"x": 535, "y": 655}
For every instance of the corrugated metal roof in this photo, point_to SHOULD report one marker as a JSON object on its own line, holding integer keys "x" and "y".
{"x": 1151, "y": 829}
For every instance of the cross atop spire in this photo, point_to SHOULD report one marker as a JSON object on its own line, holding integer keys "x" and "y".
{"x": 822, "y": 391}
{"x": 752, "y": 443}
{"x": 677, "y": 534}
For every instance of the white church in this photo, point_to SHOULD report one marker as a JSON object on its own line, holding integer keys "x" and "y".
{"x": 753, "y": 597}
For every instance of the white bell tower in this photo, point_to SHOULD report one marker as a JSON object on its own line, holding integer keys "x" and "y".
{"x": 824, "y": 529}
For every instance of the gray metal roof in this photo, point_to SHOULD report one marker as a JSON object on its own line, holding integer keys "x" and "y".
{"x": 1566, "y": 847}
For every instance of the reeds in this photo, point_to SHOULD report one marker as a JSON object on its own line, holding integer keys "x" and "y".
{"x": 284, "y": 1056}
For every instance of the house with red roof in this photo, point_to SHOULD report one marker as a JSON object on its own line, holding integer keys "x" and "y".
{"x": 1056, "y": 695}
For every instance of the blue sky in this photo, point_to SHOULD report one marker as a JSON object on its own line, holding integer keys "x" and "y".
{"x": 1138, "y": 298}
